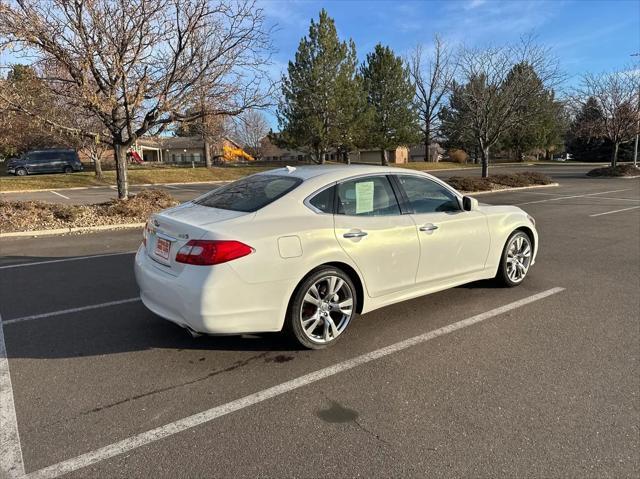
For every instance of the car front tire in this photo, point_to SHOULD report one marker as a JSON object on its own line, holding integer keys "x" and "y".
{"x": 67, "y": 169}
{"x": 322, "y": 308}
{"x": 21, "y": 172}
{"x": 516, "y": 259}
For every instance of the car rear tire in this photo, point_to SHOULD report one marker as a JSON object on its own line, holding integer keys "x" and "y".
{"x": 67, "y": 169}
{"x": 516, "y": 259}
{"x": 321, "y": 308}
{"x": 21, "y": 172}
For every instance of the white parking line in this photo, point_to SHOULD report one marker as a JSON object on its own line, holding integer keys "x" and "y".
{"x": 71, "y": 310}
{"x": 11, "y": 462}
{"x": 618, "y": 199}
{"x": 59, "y": 194}
{"x": 572, "y": 196}
{"x": 203, "y": 417}
{"x": 62, "y": 260}
{"x": 615, "y": 211}
{"x": 178, "y": 188}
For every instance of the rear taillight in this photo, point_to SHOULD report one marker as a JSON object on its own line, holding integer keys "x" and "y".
{"x": 210, "y": 252}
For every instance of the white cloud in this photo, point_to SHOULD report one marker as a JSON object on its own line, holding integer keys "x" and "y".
{"x": 475, "y": 4}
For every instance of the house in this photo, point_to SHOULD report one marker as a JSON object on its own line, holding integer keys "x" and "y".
{"x": 374, "y": 156}
{"x": 179, "y": 149}
{"x": 271, "y": 152}
{"x": 416, "y": 152}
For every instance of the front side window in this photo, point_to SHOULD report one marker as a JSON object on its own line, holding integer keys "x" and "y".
{"x": 426, "y": 196}
{"x": 251, "y": 193}
{"x": 367, "y": 196}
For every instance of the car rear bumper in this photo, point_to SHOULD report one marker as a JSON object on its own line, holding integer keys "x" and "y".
{"x": 210, "y": 299}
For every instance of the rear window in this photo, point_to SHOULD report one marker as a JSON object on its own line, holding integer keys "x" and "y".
{"x": 250, "y": 194}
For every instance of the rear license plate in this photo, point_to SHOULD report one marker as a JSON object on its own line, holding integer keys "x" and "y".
{"x": 163, "y": 247}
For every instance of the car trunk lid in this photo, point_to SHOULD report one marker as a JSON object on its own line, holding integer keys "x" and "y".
{"x": 171, "y": 229}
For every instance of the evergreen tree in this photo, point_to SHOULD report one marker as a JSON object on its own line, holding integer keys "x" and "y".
{"x": 321, "y": 105}
{"x": 454, "y": 120}
{"x": 540, "y": 122}
{"x": 585, "y": 140}
{"x": 394, "y": 120}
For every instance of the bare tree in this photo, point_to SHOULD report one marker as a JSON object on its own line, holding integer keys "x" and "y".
{"x": 141, "y": 65}
{"x": 433, "y": 75}
{"x": 617, "y": 95}
{"x": 499, "y": 90}
{"x": 251, "y": 129}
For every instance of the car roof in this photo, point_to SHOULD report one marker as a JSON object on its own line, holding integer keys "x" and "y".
{"x": 335, "y": 172}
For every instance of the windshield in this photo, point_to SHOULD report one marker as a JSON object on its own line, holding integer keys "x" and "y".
{"x": 250, "y": 194}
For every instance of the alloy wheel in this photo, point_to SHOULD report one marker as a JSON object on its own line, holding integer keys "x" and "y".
{"x": 327, "y": 309}
{"x": 518, "y": 257}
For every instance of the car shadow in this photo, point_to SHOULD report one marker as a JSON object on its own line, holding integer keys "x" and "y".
{"x": 482, "y": 284}
{"x": 122, "y": 329}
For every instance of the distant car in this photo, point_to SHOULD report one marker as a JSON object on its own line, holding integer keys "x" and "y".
{"x": 305, "y": 249}
{"x": 45, "y": 161}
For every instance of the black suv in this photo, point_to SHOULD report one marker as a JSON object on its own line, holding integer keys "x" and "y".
{"x": 45, "y": 161}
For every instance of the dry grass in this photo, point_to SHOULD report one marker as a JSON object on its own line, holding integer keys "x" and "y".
{"x": 498, "y": 182}
{"x": 620, "y": 170}
{"x": 158, "y": 174}
{"x": 37, "y": 215}
{"x": 137, "y": 176}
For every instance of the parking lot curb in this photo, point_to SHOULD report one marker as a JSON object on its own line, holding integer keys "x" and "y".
{"x": 510, "y": 189}
{"x": 62, "y": 231}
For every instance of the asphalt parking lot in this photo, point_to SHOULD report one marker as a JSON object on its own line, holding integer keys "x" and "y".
{"x": 541, "y": 380}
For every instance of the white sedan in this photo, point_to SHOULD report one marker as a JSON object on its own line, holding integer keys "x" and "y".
{"x": 305, "y": 249}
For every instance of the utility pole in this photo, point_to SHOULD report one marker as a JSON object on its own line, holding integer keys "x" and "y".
{"x": 635, "y": 152}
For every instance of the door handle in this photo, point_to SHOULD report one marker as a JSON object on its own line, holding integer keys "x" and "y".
{"x": 355, "y": 234}
{"x": 428, "y": 227}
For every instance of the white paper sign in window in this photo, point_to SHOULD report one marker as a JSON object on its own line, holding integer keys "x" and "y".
{"x": 364, "y": 197}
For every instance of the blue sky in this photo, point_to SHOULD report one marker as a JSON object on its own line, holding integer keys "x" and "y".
{"x": 585, "y": 35}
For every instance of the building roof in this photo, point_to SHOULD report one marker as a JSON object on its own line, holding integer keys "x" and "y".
{"x": 171, "y": 142}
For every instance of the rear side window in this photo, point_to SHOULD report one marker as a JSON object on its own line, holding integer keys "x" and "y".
{"x": 367, "y": 196}
{"x": 323, "y": 201}
{"x": 37, "y": 157}
{"x": 250, "y": 194}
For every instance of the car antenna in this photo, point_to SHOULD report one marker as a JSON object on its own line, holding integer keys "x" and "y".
{"x": 290, "y": 169}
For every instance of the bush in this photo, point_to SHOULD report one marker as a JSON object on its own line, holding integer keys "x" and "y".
{"x": 64, "y": 213}
{"x": 620, "y": 170}
{"x": 496, "y": 182}
{"x": 458, "y": 156}
{"x": 511, "y": 181}
{"x": 469, "y": 183}
{"x": 140, "y": 205}
{"x": 535, "y": 178}
{"x": 35, "y": 215}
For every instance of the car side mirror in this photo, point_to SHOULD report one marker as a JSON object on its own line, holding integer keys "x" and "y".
{"x": 469, "y": 204}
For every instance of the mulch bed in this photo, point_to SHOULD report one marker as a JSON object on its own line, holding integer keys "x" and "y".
{"x": 619, "y": 170}
{"x": 498, "y": 182}
{"x": 37, "y": 215}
